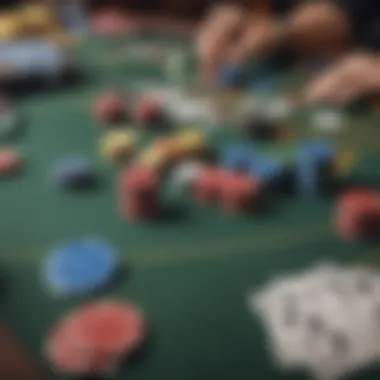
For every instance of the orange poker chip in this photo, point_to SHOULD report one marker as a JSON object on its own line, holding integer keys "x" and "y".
{"x": 10, "y": 162}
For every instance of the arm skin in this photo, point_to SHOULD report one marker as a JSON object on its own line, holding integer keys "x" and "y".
{"x": 15, "y": 362}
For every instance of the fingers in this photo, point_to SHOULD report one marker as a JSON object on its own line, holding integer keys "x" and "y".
{"x": 215, "y": 37}
{"x": 318, "y": 28}
{"x": 260, "y": 37}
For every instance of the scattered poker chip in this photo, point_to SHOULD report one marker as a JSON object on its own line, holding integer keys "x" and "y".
{"x": 110, "y": 107}
{"x": 74, "y": 172}
{"x": 208, "y": 185}
{"x": 139, "y": 198}
{"x": 95, "y": 338}
{"x": 278, "y": 108}
{"x": 191, "y": 141}
{"x": 358, "y": 214}
{"x": 148, "y": 112}
{"x": 80, "y": 267}
{"x": 238, "y": 158}
{"x": 330, "y": 121}
{"x": 152, "y": 157}
{"x": 240, "y": 192}
{"x": 314, "y": 167}
{"x": 117, "y": 146}
{"x": 10, "y": 162}
{"x": 184, "y": 175}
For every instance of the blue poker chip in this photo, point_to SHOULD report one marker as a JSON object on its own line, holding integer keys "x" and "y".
{"x": 74, "y": 172}
{"x": 238, "y": 158}
{"x": 232, "y": 76}
{"x": 266, "y": 170}
{"x": 80, "y": 267}
{"x": 313, "y": 166}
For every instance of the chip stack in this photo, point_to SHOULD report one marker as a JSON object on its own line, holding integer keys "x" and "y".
{"x": 240, "y": 193}
{"x": 148, "y": 112}
{"x": 358, "y": 214}
{"x": 268, "y": 171}
{"x": 139, "y": 193}
{"x": 238, "y": 158}
{"x": 94, "y": 339}
{"x": 314, "y": 168}
{"x": 110, "y": 107}
{"x": 208, "y": 185}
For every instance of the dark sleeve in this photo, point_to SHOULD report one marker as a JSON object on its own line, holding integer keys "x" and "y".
{"x": 281, "y": 7}
{"x": 371, "y": 38}
{"x": 362, "y": 15}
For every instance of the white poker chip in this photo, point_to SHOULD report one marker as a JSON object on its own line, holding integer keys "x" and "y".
{"x": 327, "y": 121}
{"x": 278, "y": 108}
{"x": 184, "y": 175}
{"x": 193, "y": 111}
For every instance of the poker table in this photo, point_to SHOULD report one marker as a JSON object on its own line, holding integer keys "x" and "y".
{"x": 190, "y": 272}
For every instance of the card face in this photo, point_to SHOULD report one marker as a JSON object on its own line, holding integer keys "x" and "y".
{"x": 325, "y": 320}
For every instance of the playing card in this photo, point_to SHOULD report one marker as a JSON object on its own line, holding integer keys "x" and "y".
{"x": 326, "y": 320}
{"x": 282, "y": 306}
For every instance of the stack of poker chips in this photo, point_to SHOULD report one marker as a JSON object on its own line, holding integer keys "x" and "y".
{"x": 358, "y": 214}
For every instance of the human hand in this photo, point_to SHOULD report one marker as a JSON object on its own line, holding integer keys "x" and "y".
{"x": 347, "y": 81}
{"x": 216, "y": 36}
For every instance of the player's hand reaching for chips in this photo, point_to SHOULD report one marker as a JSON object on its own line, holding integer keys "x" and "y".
{"x": 232, "y": 35}
{"x": 355, "y": 77}
{"x": 216, "y": 37}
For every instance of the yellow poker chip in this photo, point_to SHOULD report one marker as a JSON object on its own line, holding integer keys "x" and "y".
{"x": 191, "y": 141}
{"x": 168, "y": 147}
{"x": 152, "y": 158}
{"x": 117, "y": 146}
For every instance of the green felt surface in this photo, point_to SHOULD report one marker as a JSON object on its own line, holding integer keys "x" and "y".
{"x": 190, "y": 273}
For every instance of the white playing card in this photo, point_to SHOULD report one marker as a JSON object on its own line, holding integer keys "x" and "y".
{"x": 288, "y": 340}
{"x": 336, "y": 329}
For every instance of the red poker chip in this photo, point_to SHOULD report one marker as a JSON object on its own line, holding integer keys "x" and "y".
{"x": 148, "y": 111}
{"x": 64, "y": 352}
{"x": 93, "y": 339}
{"x": 239, "y": 192}
{"x": 111, "y": 326}
{"x": 10, "y": 162}
{"x": 110, "y": 107}
{"x": 358, "y": 213}
{"x": 208, "y": 186}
